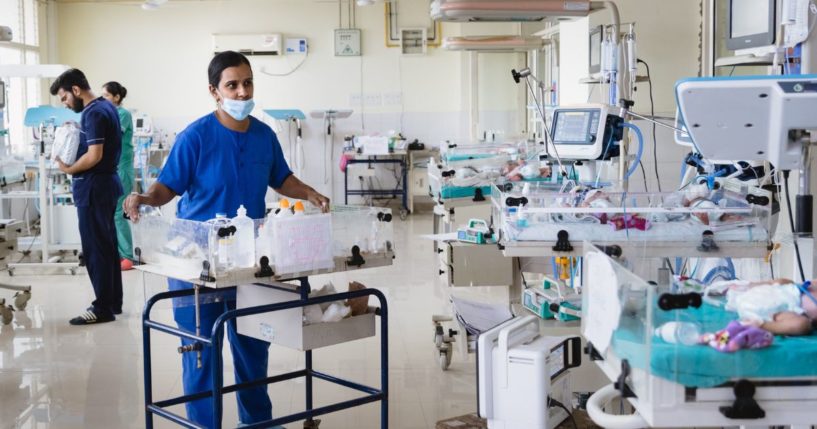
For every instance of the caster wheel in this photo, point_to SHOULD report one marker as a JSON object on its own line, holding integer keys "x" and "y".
{"x": 21, "y": 300}
{"x": 444, "y": 361}
{"x": 6, "y": 312}
{"x": 73, "y": 272}
{"x": 403, "y": 214}
{"x": 11, "y": 273}
{"x": 449, "y": 353}
{"x": 312, "y": 424}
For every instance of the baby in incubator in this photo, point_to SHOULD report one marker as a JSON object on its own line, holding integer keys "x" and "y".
{"x": 780, "y": 306}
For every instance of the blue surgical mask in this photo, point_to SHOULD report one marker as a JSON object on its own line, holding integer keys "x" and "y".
{"x": 238, "y": 109}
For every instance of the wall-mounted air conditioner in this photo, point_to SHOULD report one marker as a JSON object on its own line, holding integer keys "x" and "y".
{"x": 249, "y": 44}
{"x": 507, "y": 10}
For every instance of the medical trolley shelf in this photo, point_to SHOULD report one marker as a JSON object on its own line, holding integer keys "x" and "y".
{"x": 399, "y": 158}
{"x": 213, "y": 344}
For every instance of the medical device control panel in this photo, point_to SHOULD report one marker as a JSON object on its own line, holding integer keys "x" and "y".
{"x": 586, "y": 132}
{"x": 564, "y": 356}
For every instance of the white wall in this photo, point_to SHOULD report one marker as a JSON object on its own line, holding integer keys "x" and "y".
{"x": 162, "y": 56}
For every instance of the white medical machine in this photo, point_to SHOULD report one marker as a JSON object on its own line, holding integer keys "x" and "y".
{"x": 758, "y": 118}
{"x": 142, "y": 126}
{"x": 524, "y": 377}
{"x": 586, "y": 132}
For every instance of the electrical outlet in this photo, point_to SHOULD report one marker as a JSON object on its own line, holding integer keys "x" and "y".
{"x": 372, "y": 100}
{"x": 392, "y": 98}
{"x": 355, "y": 99}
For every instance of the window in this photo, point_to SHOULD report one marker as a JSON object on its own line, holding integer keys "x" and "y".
{"x": 23, "y": 18}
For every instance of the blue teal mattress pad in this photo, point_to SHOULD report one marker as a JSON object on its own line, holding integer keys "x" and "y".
{"x": 703, "y": 366}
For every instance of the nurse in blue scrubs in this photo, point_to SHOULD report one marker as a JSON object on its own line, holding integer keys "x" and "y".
{"x": 225, "y": 159}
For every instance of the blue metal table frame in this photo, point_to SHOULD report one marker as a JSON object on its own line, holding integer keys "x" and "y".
{"x": 402, "y": 161}
{"x": 213, "y": 344}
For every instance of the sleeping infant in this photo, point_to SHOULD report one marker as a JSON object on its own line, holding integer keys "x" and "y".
{"x": 779, "y": 306}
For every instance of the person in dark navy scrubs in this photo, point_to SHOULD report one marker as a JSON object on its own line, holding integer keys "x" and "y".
{"x": 222, "y": 160}
{"x": 96, "y": 188}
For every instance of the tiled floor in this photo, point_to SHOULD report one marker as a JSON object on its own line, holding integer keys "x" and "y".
{"x": 53, "y": 375}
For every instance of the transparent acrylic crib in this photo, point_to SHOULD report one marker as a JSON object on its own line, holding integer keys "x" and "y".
{"x": 533, "y": 218}
{"x": 637, "y": 327}
{"x": 313, "y": 243}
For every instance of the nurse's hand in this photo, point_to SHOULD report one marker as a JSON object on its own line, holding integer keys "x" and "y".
{"x": 131, "y": 206}
{"x": 62, "y": 166}
{"x": 318, "y": 200}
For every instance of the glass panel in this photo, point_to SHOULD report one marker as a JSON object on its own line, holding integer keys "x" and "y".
{"x": 10, "y": 55}
{"x": 11, "y": 16}
{"x": 31, "y": 22}
{"x": 34, "y": 86}
{"x": 16, "y": 110}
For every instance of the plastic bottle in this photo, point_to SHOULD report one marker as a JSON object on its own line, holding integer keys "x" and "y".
{"x": 244, "y": 239}
{"x": 298, "y": 208}
{"x": 221, "y": 245}
{"x": 284, "y": 209}
{"x": 686, "y": 333}
{"x": 266, "y": 240}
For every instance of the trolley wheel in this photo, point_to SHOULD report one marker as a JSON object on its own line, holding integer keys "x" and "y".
{"x": 403, "y": 214}
{"x": 444, "y": 360}
{"x": 312, "y": 424}
{"x": 21, "y": 300}
{"x": 438, "y": 336}
{"x": 6, "y": 312}
{"x": 11, "y": 272}
{"x": 73, "y": 271}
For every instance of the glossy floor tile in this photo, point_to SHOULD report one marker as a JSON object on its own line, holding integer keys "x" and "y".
{"x": 53, "y": 375}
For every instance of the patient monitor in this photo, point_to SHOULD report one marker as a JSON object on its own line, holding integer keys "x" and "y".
{"x": 753, "y": 119}
{"x": 143, "y": 126}
{"x": 586, "y": 132}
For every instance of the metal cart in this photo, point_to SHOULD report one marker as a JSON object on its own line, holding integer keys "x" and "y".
{"x": 398, "y": 158}
{"x": 212, "y": 343}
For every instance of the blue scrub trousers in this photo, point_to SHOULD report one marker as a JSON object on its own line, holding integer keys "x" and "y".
{"x": 99, "y": 249}
{"x": 250, "y": 357}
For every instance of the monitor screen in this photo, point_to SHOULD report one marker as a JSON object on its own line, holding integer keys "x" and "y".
{"x": 139, "y": 123}
{"x": 576, "y": 127}
{"x": 595, "y": 49}
{"x": 751, "y": 24}
{"x": 749, "y": 17}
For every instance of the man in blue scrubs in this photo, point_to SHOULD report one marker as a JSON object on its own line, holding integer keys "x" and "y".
{"x": 96, "y": 188}
{"x": 225, "y": 159}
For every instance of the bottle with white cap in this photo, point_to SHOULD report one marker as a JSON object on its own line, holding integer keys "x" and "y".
{"x": 245, "y": 239}
{"x": 686, "y": 333}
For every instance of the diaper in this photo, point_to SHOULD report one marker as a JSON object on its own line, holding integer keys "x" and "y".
{"x": 761, "y": 303}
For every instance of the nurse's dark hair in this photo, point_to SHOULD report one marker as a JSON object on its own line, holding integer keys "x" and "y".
{"x": 221, "y": 61}
{"x": 69, "y": 79}
{"x": 116, "y": 88}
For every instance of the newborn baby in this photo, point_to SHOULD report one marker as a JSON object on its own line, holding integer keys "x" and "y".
{"x": 779, "y": 306}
